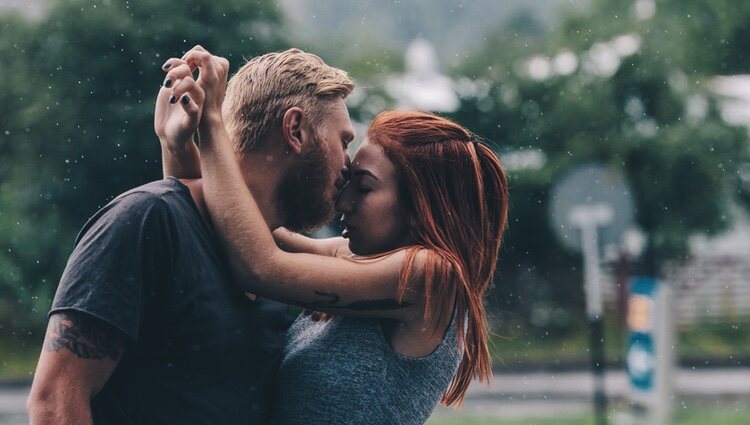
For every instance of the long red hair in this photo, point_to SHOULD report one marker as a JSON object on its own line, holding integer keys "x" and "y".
{"x": 455, "y": 193}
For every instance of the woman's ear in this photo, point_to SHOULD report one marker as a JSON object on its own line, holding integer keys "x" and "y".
{"x": 291, "y": 129}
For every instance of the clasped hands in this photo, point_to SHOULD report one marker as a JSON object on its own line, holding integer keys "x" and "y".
{"x": 185, "y": 103}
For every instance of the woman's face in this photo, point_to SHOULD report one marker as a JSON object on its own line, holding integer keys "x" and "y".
{"x": 373, "y": 219}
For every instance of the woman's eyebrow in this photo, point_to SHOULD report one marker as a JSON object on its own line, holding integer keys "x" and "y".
{"x": 360, "y": 172}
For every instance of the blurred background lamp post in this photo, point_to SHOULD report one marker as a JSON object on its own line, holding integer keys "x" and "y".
{"x": 591, "y": 207}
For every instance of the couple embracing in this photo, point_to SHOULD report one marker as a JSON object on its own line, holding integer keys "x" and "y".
{"x": 172, "y": 308}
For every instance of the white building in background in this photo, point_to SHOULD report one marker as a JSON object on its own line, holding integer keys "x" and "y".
{"x": 735, "y": 93}
{"x": 422, "y": 86}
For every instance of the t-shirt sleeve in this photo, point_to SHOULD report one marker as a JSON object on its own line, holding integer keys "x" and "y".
{"x": 121, "y": 258}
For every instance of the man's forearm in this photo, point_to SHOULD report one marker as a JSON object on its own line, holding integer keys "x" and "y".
{"x": 59, "y": 407}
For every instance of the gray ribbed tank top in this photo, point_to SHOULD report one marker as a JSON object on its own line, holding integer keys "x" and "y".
{"x": 344, "y": 371}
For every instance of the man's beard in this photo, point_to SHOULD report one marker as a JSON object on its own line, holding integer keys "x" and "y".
{"x": 302, "y": 193}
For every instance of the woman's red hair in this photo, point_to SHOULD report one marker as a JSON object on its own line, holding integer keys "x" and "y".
{"x": 455, "y": 193}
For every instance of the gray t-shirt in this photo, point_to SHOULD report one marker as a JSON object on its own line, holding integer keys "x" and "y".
{"x": 344, "y": 371}
{"x": 200, "y": 352}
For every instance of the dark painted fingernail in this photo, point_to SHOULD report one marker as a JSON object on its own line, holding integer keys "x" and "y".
{"x": 166, "y": 65}
{"x": 185, "y": 100}
{"x": 172, "y": 99}
{"x": 168, "y": 83}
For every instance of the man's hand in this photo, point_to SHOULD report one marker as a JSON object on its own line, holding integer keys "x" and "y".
{"x": 213, "y": 72}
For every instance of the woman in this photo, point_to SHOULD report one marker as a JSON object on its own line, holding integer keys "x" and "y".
{"x": 423, "y": 216}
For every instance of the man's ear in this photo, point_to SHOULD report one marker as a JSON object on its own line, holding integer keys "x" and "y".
{"x": 291, "y": 129}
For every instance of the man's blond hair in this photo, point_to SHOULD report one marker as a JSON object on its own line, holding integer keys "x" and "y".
{"x": 266, "y": 87}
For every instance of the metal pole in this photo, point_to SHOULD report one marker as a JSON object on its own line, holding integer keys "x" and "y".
{"x": 597, "y": 366}
{"x": 664, "y": 347}
{"x": 594, "y": 312}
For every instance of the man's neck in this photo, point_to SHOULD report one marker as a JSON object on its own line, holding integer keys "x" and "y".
{"x": 263, "y": 197}
{"x": 196, "y": 192}
{"x": 263, "y": 173}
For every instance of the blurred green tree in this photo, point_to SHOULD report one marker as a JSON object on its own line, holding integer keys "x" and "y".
{"x": 624, "y": 84}
{"x": 77, "y": 123}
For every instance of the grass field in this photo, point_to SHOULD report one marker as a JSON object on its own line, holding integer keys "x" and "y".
{"x": 719, "y": 341}
{"x": 727, "y": 413}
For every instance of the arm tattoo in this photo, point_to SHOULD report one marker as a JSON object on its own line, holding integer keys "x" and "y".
{"x": 331, "y": 299}
{"x": 85, "y": 336}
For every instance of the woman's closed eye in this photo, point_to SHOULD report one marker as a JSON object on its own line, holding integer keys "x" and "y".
{"x": 356, "y": 184}
{"x": 360, "y": 185}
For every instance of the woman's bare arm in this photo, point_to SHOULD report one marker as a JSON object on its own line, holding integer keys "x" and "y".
{"x": 175, "y": 122}
{"x": 181, "y": 161}
{"x": 294, "y": 242}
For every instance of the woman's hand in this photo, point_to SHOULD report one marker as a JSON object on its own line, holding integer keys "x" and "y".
{"x": 179, "y": 107}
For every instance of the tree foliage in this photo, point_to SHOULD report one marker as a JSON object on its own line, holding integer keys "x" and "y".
{"x": 77, "y": 125}
{"x": 651, "y": 115}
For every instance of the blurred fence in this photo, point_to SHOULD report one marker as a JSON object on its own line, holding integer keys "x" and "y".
{"x": 712, "y": 285}
{"x": 712, "y": 288}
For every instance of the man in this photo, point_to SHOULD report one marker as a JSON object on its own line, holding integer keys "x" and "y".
{"x": 147, "y": 326}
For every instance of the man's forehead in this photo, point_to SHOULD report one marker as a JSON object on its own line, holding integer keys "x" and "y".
{"x": 338, "y": 114}
{"x": 337, "y": 108}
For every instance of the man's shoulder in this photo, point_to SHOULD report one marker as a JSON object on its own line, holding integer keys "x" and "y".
{"x": 158, "y": 189}
{"x": 166, "y": 194}
{"x": 155, "y": 199}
